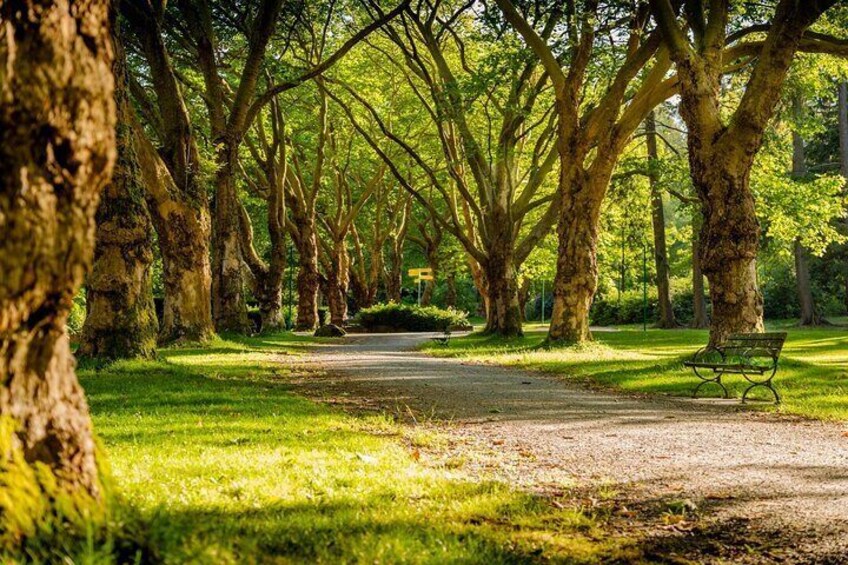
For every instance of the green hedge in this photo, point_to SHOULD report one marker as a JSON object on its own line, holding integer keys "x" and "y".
{"x": 403, "y": 317}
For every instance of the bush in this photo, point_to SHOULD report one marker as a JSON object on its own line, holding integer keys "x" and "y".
{"x": 402, "y": 317}
{"x": 609, "y": 310}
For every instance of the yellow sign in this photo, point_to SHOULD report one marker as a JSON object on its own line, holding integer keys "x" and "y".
{"x": 425, "y": 277}
{"x": 420, "y": 272}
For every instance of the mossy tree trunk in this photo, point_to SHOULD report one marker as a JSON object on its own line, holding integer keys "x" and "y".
{"x": 57, "y": 150}
{"x": 120, "y": 319}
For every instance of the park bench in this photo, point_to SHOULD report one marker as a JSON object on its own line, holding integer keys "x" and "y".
{"x": 754, "y": 356}
{"x": 444, "y": 338}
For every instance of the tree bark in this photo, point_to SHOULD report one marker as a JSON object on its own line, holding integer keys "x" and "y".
{"x": 666, "y": 312}
{"x": 503, "y": 316}
{"x": 229, "y": 306}
{"x": 577, "y": 267}
{"x": 337, "y": 270}
{"x": 307, "y": 275}
{"x": 393, "y": 278}
{"x": 57, "y": 150}
{"x": 182, "y": 226}
{"x": 729, "y": 244}
{"x": 700, "y": 319}
{"x": 121, "y": 319}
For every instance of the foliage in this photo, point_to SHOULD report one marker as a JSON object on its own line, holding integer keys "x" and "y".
{"x": 405, "y": 317}
{"x": 627, "y": 308}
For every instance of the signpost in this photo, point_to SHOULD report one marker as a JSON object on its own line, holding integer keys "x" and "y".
{"x": 424, "y": 274}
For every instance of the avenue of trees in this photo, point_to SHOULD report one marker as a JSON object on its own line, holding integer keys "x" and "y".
{"x": 179, "y": 166}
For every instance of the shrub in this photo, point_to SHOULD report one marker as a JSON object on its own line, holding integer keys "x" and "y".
{"x": 611, "y": 310}
{"x": 403, "y": 317}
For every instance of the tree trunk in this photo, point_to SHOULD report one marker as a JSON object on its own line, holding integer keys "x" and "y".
{"x": 307, "y": 275}
{"x": 666, "y": 312}
{"x": 729, "y": 244}
{"x": 806, "y": 301}
{"x": 430, "y": 286}
{"x": 57, "y": 150}
{"x": 577, "y": 267}
{"x": 523, "y": 297}
{"x": 700, "y": 320}
{"x": 394, "y": 272}
{"x": 809, "y": 315}
{"x": 450, "y": 293}
{"x": 121, "y": 319}
{"x": 843, "y": 151}
{"x": 182, "y": 227}
{"x": 229, "y": 307}
{"x": 503, "y": 316}
{"x": 337, "y": 283}
{"x": 176, "y": 197}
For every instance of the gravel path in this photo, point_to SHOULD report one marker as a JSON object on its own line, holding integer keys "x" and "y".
{"x": 785, "y": 476}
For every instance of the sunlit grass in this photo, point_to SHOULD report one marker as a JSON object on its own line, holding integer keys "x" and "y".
{"x": 224, "y": 464}
{"x": 812, "y": 378}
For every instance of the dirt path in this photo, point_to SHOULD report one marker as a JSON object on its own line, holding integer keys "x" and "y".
{"x": 779, "y": 484}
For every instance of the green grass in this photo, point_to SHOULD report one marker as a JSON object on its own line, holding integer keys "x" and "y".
{"x": 812, "y": 378}
{"x": 219, "y": 462}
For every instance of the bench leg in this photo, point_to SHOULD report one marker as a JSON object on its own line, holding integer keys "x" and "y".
{"x": 767, "y": 384}
{"x": 704, "y": 380}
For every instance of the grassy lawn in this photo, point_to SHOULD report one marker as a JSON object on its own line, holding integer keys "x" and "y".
{"x": 812, "y": 379}
{"x": 220, "y": 462}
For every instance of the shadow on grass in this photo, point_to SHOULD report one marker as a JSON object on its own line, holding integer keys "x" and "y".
{"x": 218, "y": 462}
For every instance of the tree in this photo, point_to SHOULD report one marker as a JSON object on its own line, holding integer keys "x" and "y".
{"x": 57, "y": 150}
{"x": 666, "y": 313}
{"x": 591, "y": 137}
{"x": 494, "y": 138}
{"x": 269, "y": 154}
{"x": 722, "y": 151}
{"x": 176, "y": 196}
{"x": 120, "y": 317}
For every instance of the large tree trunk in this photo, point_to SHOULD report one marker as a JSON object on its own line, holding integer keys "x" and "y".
{"x": 503, "y": 315}
{"x": 575, "y": 282}
{"x": 229, "y": 307}
{"x": 57, "y": 150}
{"x": 666, "y": 312}
{"x": 307, "y": 275}
{"x": 182, "y": 227}
{"x": 121, "y": 319}
{"x": 729, "y": 244}
{"x": 700, "y": 319}
{"x": 337, "y": 283}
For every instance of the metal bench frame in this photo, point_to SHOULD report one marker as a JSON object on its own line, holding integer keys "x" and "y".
{"x": 738, "y": 355}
